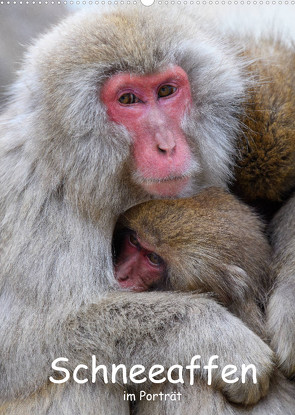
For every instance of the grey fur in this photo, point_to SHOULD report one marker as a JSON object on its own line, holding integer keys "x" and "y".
{"x": 281, "y": 310}
{"x": 215, "y": 244}
{"x": 65, "y": 177}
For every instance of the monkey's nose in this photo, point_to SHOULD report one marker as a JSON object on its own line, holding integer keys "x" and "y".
{"x": 165, "y": 142}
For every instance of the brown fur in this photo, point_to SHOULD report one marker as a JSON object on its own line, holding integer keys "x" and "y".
{"x": 214, "y": 243}
{"x": 281, "y": 309}
{"x": 266, "y": 167}
{"x": 66, "y": 173}
{"x": 210, "y": 243}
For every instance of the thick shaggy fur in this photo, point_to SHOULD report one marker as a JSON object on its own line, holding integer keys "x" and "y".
{"x": 66, "y": 173}
{"x": 214, "y": 243}
{"x": 281, "y": 310}
{"x": 210, "y": 243}
{"x": 265, "y": 168}
{"x": 265, "y": 177}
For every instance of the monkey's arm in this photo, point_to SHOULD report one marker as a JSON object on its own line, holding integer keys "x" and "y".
{"x": 281, "y": 309}
{"x": 54, "y": 302}
{"x": 169, "y": 328}
{"x": 129, "y": 328}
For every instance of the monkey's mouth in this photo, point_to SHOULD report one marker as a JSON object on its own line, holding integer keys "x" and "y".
{"x": 136, "y": 287}
{"x": 174, "y": 184}
{"x": 167, "y": 179}
{"x": 166, "y": 187}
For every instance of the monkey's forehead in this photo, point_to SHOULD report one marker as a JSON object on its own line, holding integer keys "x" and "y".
{"x": 134, "y": 39}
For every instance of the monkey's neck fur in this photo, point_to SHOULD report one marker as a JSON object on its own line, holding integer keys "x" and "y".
{"x": 42, "y": 199}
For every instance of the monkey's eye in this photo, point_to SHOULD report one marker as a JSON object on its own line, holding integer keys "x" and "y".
{"x": 155, "y": 259}
{"x": 128, "y": 99}
{"x": 133, "y": 240}
{"x": 166, "y": 90}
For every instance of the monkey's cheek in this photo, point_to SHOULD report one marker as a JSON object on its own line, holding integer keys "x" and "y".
{"x": 170, "y": 188}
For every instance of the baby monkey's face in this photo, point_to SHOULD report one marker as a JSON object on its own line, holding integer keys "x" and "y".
{"x": 137, "y": 266}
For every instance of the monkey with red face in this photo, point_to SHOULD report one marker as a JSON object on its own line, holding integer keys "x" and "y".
{"x": 137, "y": 266}
{"x": 164, "y": 163}
{"x": 211, "y": 243}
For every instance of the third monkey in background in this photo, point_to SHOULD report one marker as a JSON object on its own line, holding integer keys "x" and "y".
{"x": 211, "y": 243}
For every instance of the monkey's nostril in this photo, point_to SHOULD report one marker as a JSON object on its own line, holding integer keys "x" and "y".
{"x": 169, "y": 151}
{"x": 123, "y": 278}
{"x": 162, "y": 150}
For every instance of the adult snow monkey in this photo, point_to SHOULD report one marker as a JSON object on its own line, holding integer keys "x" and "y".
{"x": 108, "y": 111}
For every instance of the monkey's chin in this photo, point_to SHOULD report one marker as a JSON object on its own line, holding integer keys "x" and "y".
{"x": 167, "y": 188}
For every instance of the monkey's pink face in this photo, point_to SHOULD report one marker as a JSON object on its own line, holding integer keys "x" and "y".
{"x": 151, "y": 107}
{"x": 137, "y": 266}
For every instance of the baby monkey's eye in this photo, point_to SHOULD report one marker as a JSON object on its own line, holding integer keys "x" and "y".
{"x": 155, "y": 259}
{"x": 133, "y": 240}
{"x": 166, "y": 90}
{"x": 128, "y": 99}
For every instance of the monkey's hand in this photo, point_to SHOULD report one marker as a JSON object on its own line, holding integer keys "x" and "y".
{"x": 169, "y": 328}
{"x": 247, "y": 349}
{"x": 281, "y": 326}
